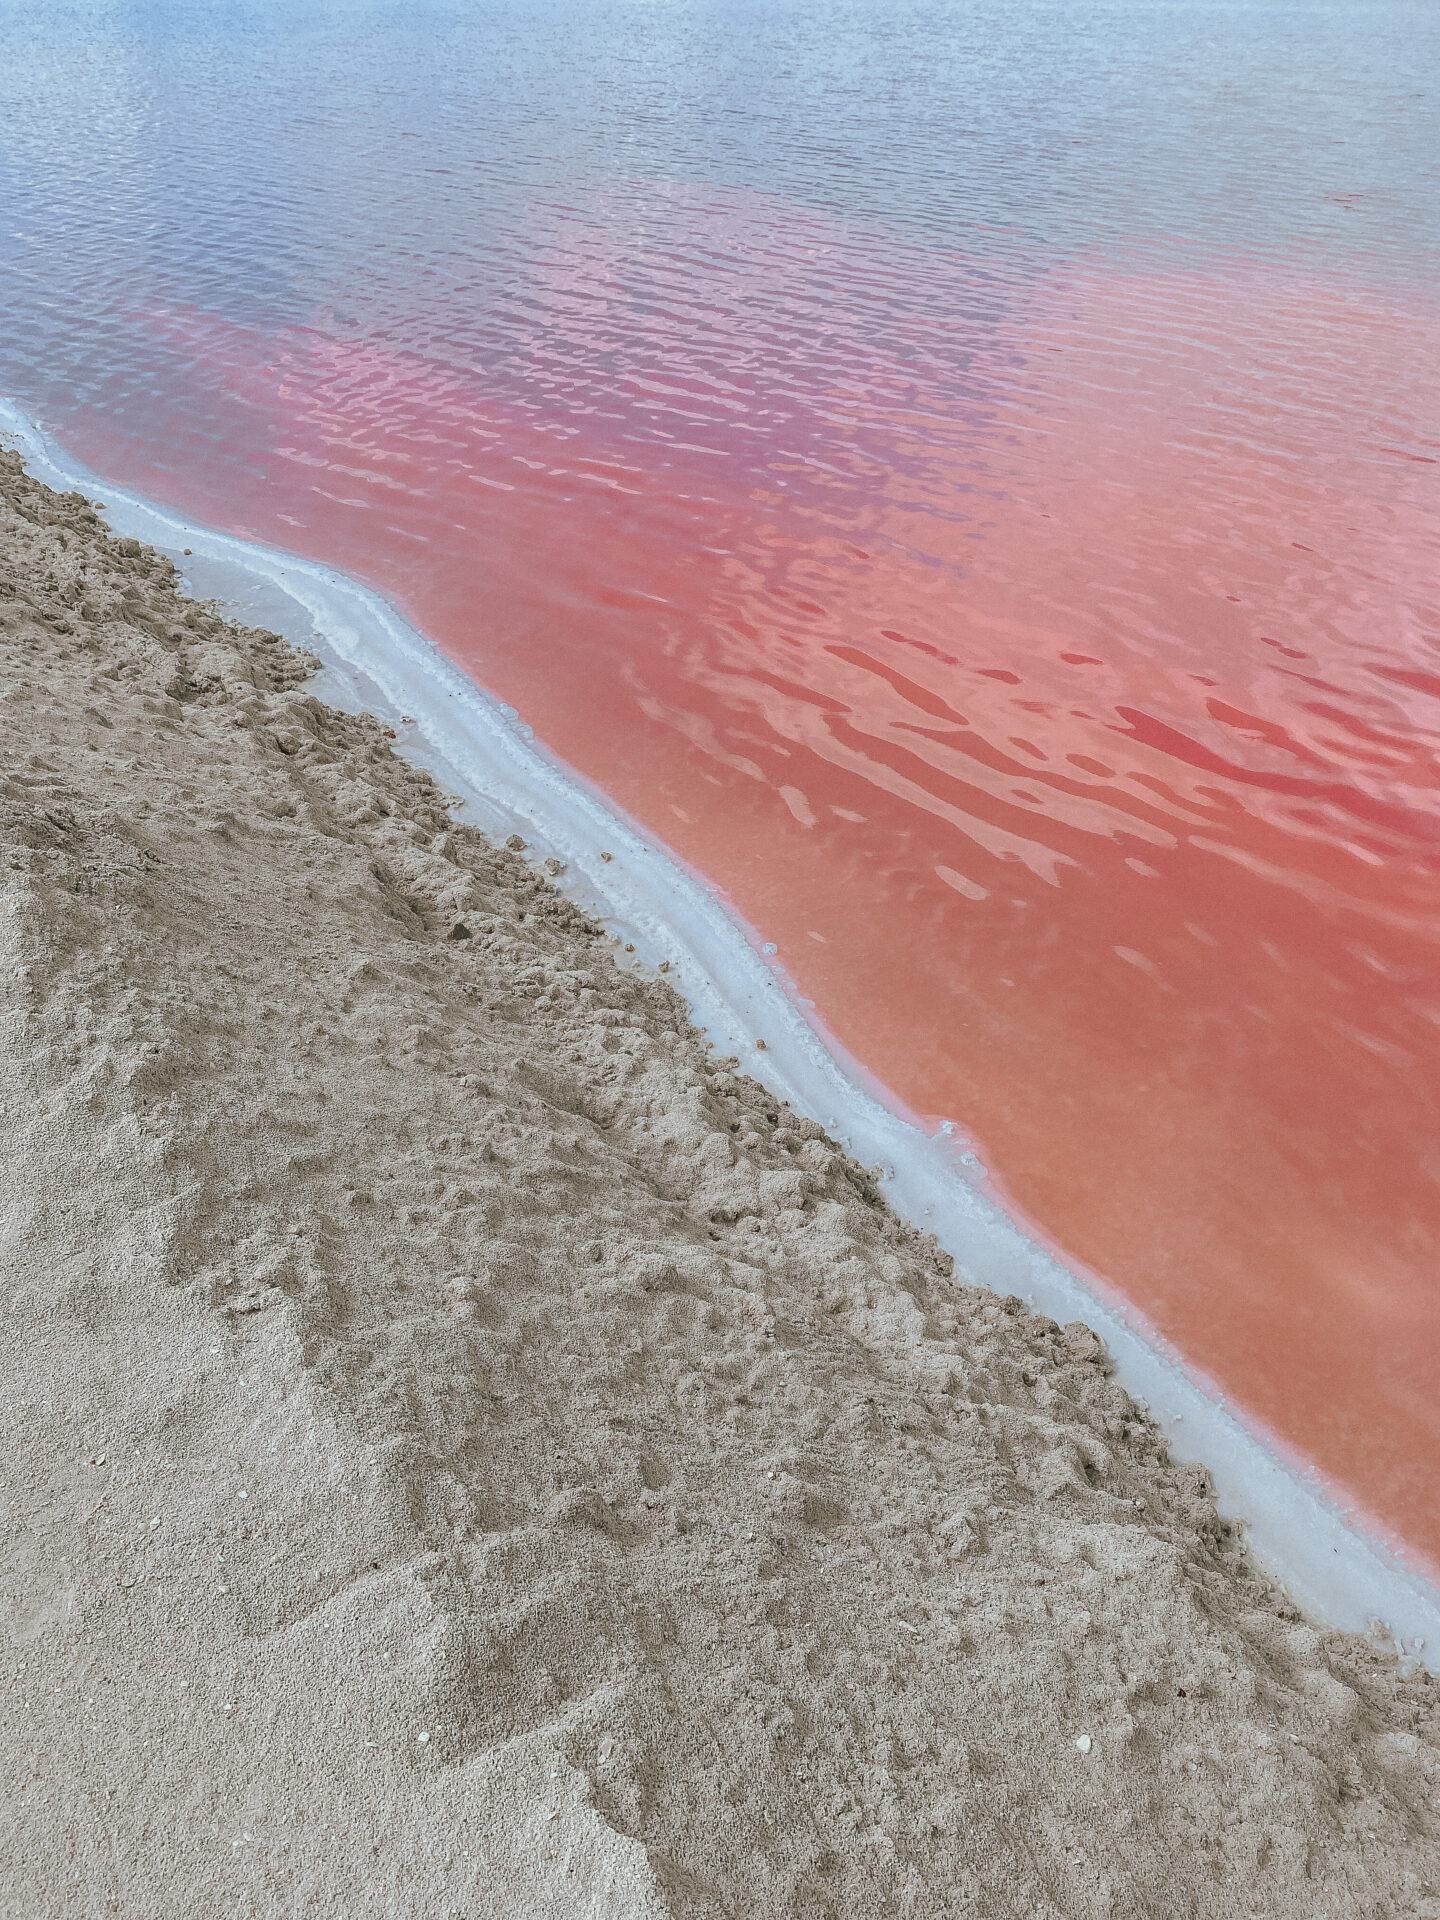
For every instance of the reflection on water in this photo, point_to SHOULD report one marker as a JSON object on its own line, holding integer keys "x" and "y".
{"x": 987, "y": 526}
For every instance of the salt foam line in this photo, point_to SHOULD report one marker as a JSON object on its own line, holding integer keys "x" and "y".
{"x": 483, "y": 754}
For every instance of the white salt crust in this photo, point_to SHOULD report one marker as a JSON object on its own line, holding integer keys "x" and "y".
{"x": 481, "y": 753}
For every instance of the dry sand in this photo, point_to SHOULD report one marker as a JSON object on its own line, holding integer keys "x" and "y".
{"x": 468, "y": 1452}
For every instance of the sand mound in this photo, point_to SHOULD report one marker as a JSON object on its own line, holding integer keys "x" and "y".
{"x": 470, "y": 1452}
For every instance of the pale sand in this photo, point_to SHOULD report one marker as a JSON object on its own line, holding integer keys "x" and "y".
{"x": 471, "y": 1454}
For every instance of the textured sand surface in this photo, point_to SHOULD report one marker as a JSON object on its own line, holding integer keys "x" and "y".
{"x": 467, "y": 1452}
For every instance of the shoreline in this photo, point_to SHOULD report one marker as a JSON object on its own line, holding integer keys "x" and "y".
{"x": 468, "y": 1447}
{"x": 375, "y": 661}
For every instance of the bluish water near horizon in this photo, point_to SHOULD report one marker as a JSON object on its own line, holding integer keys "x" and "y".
{"x": 964, "y": 476}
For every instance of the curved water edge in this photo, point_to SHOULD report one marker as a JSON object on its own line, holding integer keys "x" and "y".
{"x": 484, "y": 756}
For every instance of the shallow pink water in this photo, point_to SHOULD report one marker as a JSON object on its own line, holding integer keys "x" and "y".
{"x": 1070, "y": 721}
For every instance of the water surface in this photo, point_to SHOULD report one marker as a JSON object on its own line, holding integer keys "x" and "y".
{"x": 964, "y": 476}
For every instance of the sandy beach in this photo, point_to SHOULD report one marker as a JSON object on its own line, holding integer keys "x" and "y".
{"x": 470, "y": 1451}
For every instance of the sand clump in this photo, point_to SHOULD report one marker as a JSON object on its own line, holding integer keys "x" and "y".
{"x": 469, "y": 1452}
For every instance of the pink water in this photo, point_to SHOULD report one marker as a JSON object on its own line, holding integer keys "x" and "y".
{"x": 1047, "y": 660}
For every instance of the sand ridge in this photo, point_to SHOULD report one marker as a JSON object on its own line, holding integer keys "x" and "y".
{"x": 471, "y": 1451}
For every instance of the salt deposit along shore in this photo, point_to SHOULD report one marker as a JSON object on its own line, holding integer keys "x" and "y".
{"x": 373, "y": 661}
{"x": 470, "y": 1450}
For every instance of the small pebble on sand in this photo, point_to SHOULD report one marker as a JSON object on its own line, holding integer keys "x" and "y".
{"x": 1083, "y": 1743}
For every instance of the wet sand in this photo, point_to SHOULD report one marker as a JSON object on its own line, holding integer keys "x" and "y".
{"x": 472, "y": 1450}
